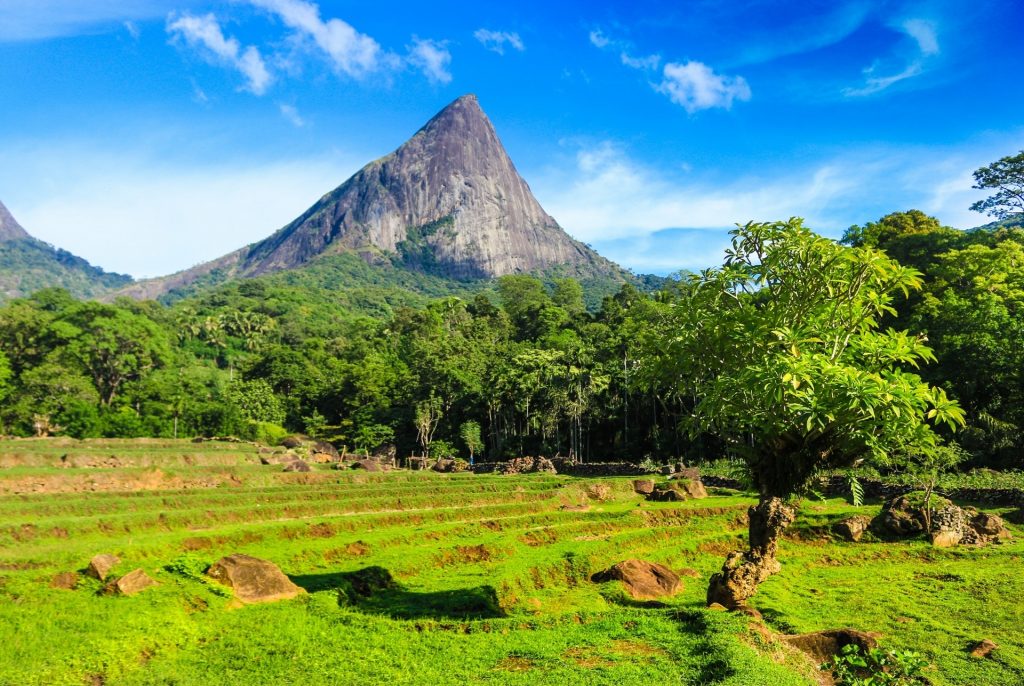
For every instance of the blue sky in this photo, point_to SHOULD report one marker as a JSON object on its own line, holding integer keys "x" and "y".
{"x": 151, "y": 135}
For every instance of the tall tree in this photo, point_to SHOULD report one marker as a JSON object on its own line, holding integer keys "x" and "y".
{"x": 780, "y": 347}
{"x": 1006, "y": 175}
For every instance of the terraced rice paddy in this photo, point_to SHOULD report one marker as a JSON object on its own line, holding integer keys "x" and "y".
{"x": 492, "y": 578}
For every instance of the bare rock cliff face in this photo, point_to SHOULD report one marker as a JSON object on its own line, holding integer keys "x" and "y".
{"x": 450, "y": 195}
{"x": 10, "y": 229}
{"x": 448, "y": 201}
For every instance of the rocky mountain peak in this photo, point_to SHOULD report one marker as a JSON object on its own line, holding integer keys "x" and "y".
{"x": 10, "y": 229}
{"x": 448, "y": 201}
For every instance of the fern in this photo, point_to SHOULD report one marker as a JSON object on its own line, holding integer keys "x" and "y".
{"x": 856, "y": 489}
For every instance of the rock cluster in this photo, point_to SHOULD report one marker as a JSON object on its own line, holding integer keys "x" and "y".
{"x": 678, "y": 490}
{"x": 528, "y": 465}
{"x": 951, "y": 524}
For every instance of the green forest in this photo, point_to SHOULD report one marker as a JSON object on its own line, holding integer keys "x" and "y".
{"x": 903, "y": 315}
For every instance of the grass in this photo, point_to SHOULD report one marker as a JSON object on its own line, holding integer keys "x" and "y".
{"x": 491, "y": 580}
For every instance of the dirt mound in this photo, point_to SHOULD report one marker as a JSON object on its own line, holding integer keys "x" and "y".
{"x": 822, "y": 646}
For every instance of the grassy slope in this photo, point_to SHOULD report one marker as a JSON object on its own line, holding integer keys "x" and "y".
{"x": 493, "y": 576}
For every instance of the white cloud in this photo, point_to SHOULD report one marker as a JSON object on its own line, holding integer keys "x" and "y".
{"x": 133, "y": 29}
{"x": 598, "y": 39}
{"x": 496, "y": 40}
{"x": 875, "y": 84}
{"x": 923, "y": 32}
{"x": 695, "y": 86}
{"x": 432, "y": 58}
{"x": 351, "y": 52}
{"x": 926, "y": 46}
{"x": 204, "y": 32}
{"x": 649, "y": 62}
{"x": 290, "y": 113}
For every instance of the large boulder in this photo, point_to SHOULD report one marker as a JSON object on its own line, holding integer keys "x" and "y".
{"x": 324, "y": 448}
{"x": 368, "y": 465}
{"x": 694, "y": 488}
{"x": 900, "y": 517}
{"x": 297, "y": 466}
{"x": 100, "y": 565}
{"x": 292, "y": 442}
{"x": 667, "y": 493}
{"x": 253, "y": 580}
{"x": 643, "y": 580}
{"x": 643, "y": 486}
{"x": 989, "y": 526}
{"x": 852, "y": 528}
{"x": 131, "y": 583}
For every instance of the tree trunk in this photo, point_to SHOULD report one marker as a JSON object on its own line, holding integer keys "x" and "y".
{"x": 744, "y": 571}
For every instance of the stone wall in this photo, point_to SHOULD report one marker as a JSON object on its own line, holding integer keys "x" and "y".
{"x": 583, "y": 469}
{"x": 873, "y": 488}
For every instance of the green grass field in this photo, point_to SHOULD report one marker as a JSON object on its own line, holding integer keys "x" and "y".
{"x": 492, "y": 578}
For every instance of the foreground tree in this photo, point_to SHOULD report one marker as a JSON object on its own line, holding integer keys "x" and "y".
{"x": 781, "y": 353}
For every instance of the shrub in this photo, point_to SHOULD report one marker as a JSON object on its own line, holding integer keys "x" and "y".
{"x": 877, "y": 667}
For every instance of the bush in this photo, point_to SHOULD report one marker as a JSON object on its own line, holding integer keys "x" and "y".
{"x": 265, "y": 432}
{"x": 877, "y": 667}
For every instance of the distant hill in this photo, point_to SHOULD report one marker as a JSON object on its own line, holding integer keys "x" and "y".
{"x": 448, "y": 203}
{"x": 28, "y": 264}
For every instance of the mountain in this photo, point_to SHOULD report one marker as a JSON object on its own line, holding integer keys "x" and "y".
{"x": 448, "y": 202}
{"x": 28, "y": 264}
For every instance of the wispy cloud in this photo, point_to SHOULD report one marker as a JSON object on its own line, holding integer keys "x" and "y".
{"x": 693, "y": 85}
{"x": 291, "y": 113}
{"x": 133, "y": 29}
{"x": 22, "y": 20}
{"x": 696, "y": 86}
{"x": 497, "y": 40}
{"x": 882, "y": 73}
{"x": 634, "y": 211}
{"x": 648, "y": 62}
{"x": 349, "y": 51}
{"x": 205, "y": 34}
{"x": 600, "y": 39}
{"x": 432, "y": 58}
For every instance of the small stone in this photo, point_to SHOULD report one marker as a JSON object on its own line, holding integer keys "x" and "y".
{"x": 100, "y": 566}
{"x": 130, "y": 584}
{"x": 66, "y": 580}
{"x": 984, "y": 648}
{"x": 718, "y": 607}
{"x": 852, "y": 528}
{"x": 297, "y": 466}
